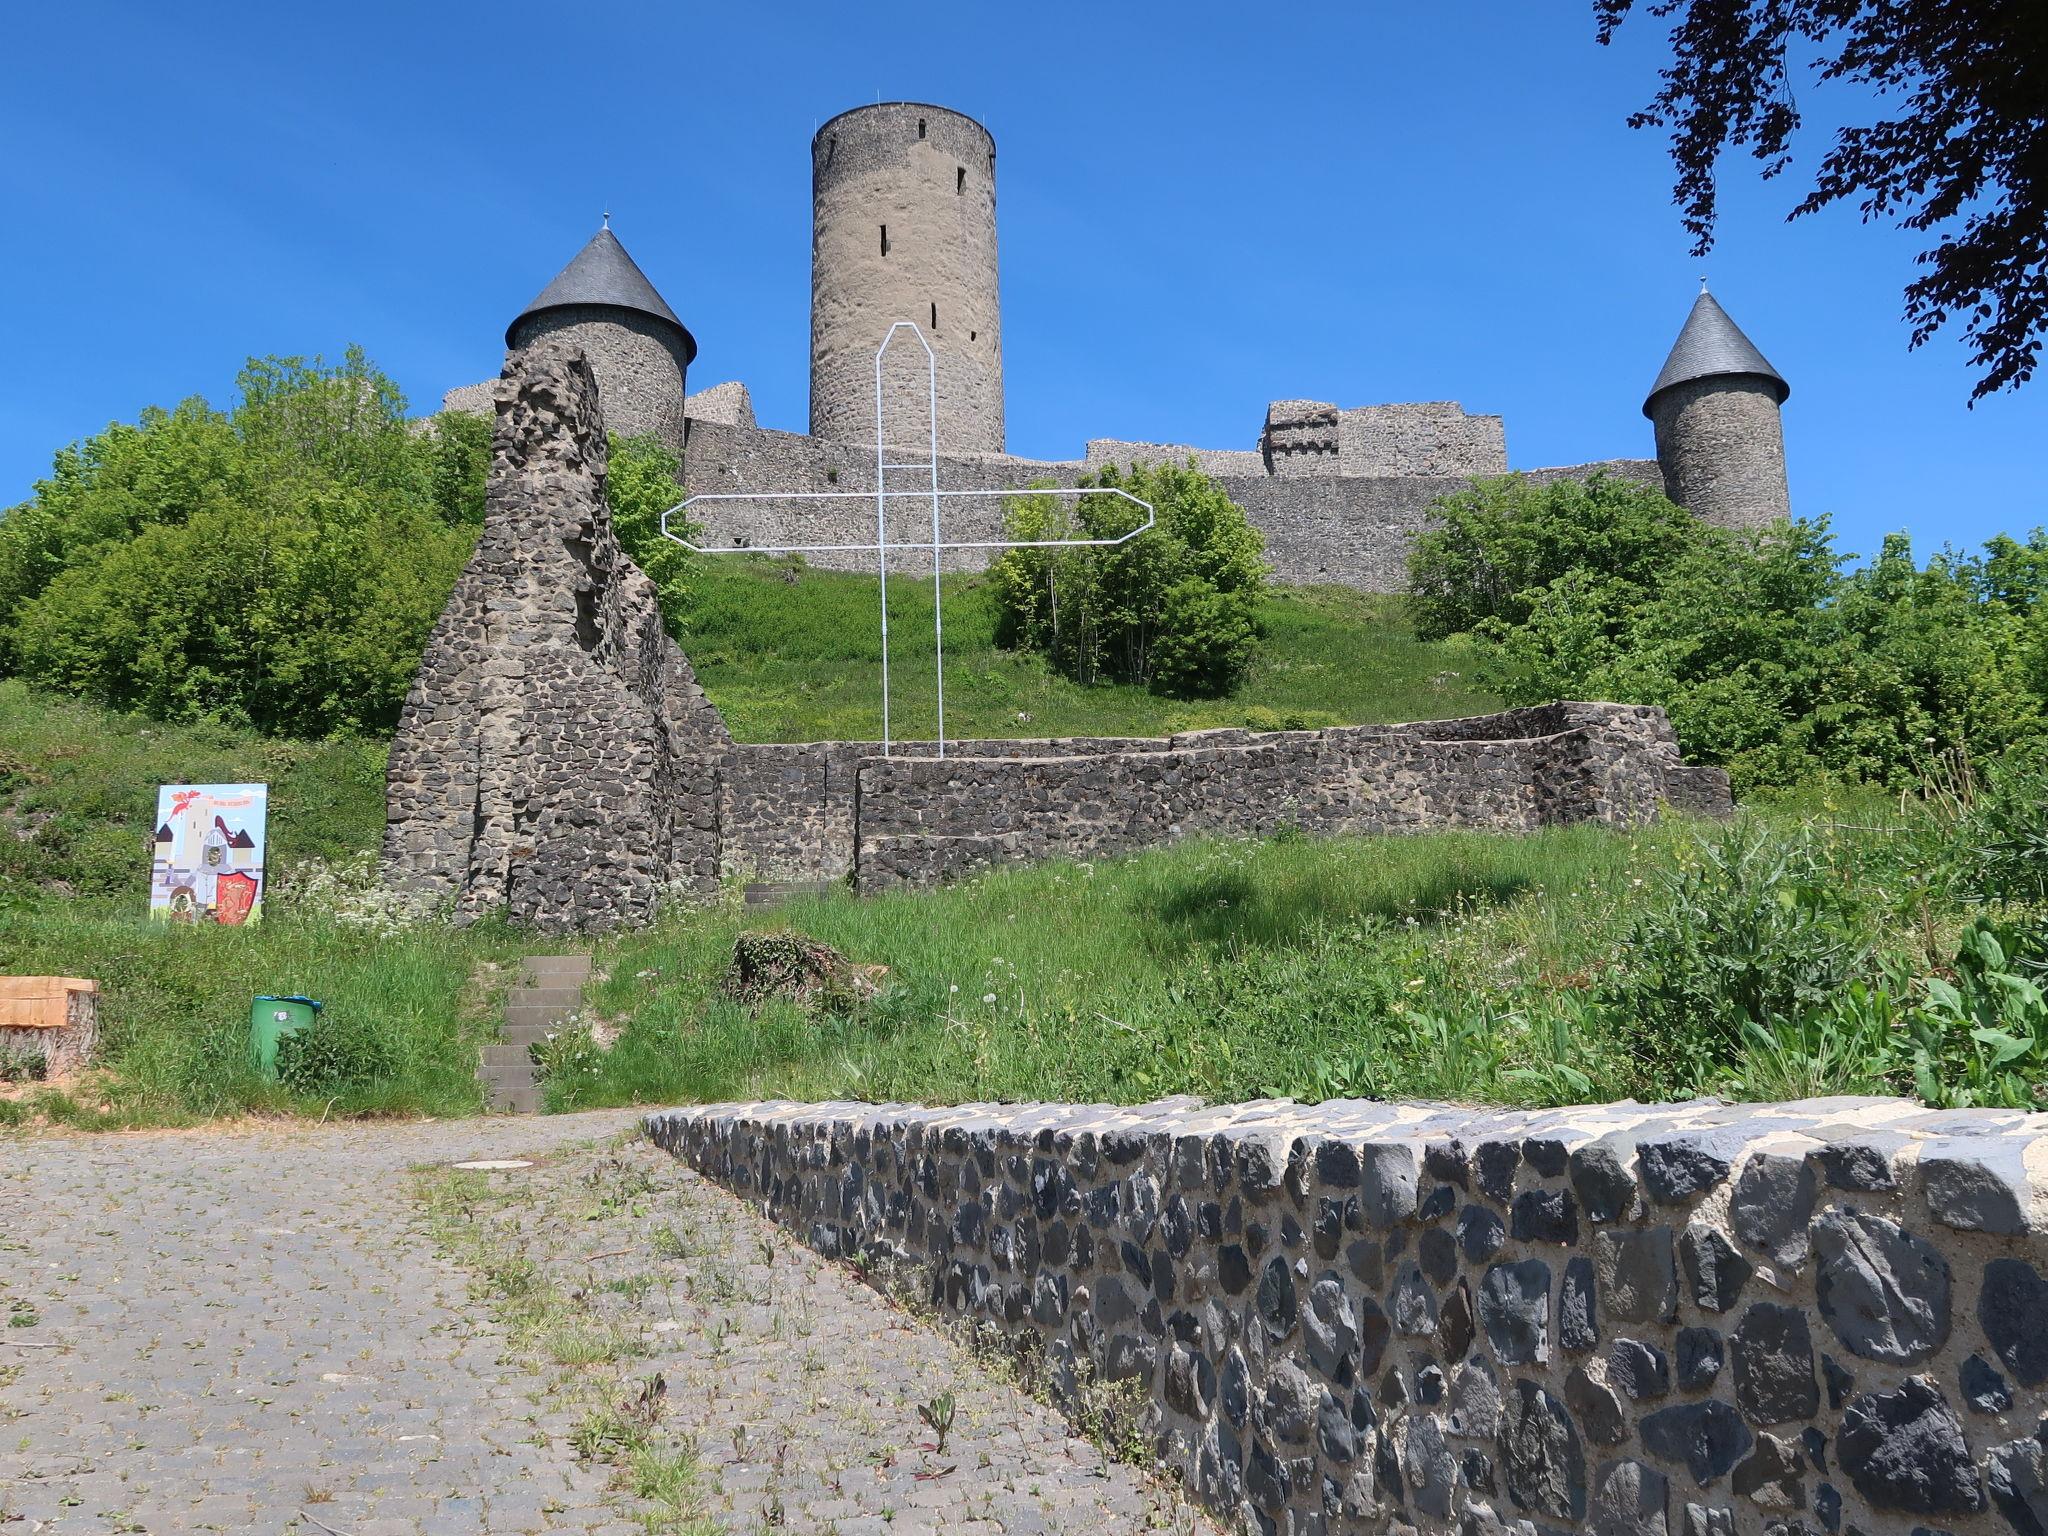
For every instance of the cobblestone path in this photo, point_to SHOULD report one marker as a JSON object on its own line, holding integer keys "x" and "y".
{"x": 256, "y": 1331}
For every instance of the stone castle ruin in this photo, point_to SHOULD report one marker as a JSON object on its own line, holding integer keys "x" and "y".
{"x": 556, "y": 759}
{"x": 904, "y": 228}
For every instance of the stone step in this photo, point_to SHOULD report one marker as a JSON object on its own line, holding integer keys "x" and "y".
{"x": 533, "y": 966}
{"x": 517, "y": 1101}
{"x": 767, "y": 893}
{"x": 565, "y": 998}
{"x": 509, "y": 1054}
{"x": 524, "y": 1034}
{"x": 526, "y": 1016}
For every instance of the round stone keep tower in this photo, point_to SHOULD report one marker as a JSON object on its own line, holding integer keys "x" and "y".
{"x": 639, "y": 351}
{"x": 1719, "y": 439}
{"x": 903, "y": 227}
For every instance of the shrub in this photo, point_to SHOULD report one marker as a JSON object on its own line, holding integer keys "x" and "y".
{"x": 1176, "y": 608}
{"x": 332, "y": 1055}
{"x": 1748, "y": 932}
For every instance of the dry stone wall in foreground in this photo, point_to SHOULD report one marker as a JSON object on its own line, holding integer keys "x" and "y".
{"x": 1698, "y": 1319}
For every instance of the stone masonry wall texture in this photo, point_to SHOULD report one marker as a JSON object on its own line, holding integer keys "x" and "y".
{"x": 1721, "y": 443}
{"x": 903, "y": 227}
{"x": 641, "y": 366}
{"x": 1826, "y": 1318}
{"x": 555, "y": 759}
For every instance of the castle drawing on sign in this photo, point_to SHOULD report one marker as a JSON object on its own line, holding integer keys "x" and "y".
{"x": 904, "y": 228}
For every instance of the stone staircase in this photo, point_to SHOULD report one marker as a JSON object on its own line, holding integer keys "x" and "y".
{"x": 549, "y": 988}
{"x": 768, "y": 893}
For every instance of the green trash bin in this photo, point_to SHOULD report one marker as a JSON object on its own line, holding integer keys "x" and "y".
{"x": 270, "y": 1020}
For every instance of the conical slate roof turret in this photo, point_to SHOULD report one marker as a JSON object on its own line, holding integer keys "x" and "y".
{"x": 1711, "y": 345}
{"x": 603, "y": 274}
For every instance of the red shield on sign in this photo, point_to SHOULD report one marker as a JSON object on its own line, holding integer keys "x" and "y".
{"x": 234, "y": 897}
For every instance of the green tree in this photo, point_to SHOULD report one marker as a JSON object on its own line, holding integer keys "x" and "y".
{"x": 1494, "y": 547}
{"x": 278, "y": 565}
{"x": 645, "y": 480}
{"x": 1176, "y": 608}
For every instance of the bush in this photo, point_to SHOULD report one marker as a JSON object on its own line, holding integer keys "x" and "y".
{"x": 330, "y": 1056}
{"x": 279, "y": 565}
{"x": 1176, "y": 608}
{"x": 1749, "y": 932}
{"x": 1771, "y": 657}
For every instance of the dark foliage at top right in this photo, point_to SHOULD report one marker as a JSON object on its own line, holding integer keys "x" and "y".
{"x": 1965, "y": 157}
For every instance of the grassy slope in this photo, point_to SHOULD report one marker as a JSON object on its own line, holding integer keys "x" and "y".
{"x": 1209, "y": 967}
{"x": 795, "y": 655}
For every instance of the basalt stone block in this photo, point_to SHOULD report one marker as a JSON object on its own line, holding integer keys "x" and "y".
{"x": 1431, "y": 1471}
{"x": 1713, "y": 1269}
{"x": 1840, "y": 1380}
{"x": 2018, "y": 1475}
{"x": 1977, "y": 1186}
{"x": 1448, "y": 1160}
{"x": 2012, "y": 1310}
{"x": 1629, "y": 1499}
{"x": 1681, "y": 1168}
{"x": 1708, "y": 1437}
{"x": 1702, "y": 1521}
{"x": 1429, "y": 1382}
{"x": 1437, "y": 1251}
{"x": 1578, "y": 1321}
{"x": 1388, "y": 1177}
{"x": 1496, "y": 1163}
{"x": 1233, "y": 1269}
{"x": 1772, "y": 1202}
{"x": 1386, "y": 1473}
{"x": 1278, "y": 1306}
{"x": 1437, "y": 1204}
{"x": 1769, "y": 1477}
{"x": 1480, "y": 1519}
{"x": 1883, "y": 1291}
{"x": 1373, "y": 1332}
{"x": 1190, "y": 1386}
{"x": 1641, "y": 1370}
{"x": 1857, "y": 1166}
{"x": 1234, "y": 1388}
{"x": 1984, "y": 1390}
{"x": 1514, "y": 1310}
{"x": 1336, "y": 1435}
{"x": 1638, "y": 1278}
{"x": 1541, "y": 1456}
{"x": 1475, "y": 1471}
{"x": 1773, "y": 1351}
{"x": 1699, "y": 1358}
{"x": 1475, "y": 1402}
{"x": 1604, "y": 1181}
{"x": 1456, "y": 1324}
{"x": 1327, "y": 1231}
{"x": 1132, "y": 1357}
{"x": 1597, "y": 1409}
{"x": 1546, "y": 1216}
{"x": 1266, "y": 1482}
{"x": 1545, "y": 1155}
{"x": 1290, "y": 1403}
{"x": 1330, "y": 1330}
{"x": 1413, "y": 1303}
{"x": 1480, "y": 1233}
{"x": 1904, "y": 1449}
{"x": 1815, "y": 1444}
{"x": 1337, "y": 1165}
{"x": 1827, "y": 1506}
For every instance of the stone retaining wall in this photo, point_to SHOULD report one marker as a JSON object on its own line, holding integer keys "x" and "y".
{"x": 1688, "y": 1320}
{"x": 917, "y": 819}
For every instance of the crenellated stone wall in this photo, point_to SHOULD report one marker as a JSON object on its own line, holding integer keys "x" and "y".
{"x": 1826, "y": 1318}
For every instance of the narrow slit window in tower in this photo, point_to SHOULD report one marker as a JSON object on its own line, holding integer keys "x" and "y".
{"x": 935, "y": 316}
{"x": 831, "y": 148}
{"x": 885, "y": 239}
{"x": 973, "y": 335}
{"x": 959, "y": 180}
{"x": 920, "y": 127}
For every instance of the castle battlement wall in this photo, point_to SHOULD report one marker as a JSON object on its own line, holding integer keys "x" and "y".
{"x": 1319, "y": 528}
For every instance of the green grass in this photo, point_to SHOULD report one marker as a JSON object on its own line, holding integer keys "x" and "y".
{"x": 793, "y": 654}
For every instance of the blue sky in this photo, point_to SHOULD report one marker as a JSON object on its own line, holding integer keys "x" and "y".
{"x": 1203, "y": 207}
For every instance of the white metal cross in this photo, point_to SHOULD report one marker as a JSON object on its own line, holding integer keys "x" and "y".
{"x": 882, "y": 496}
